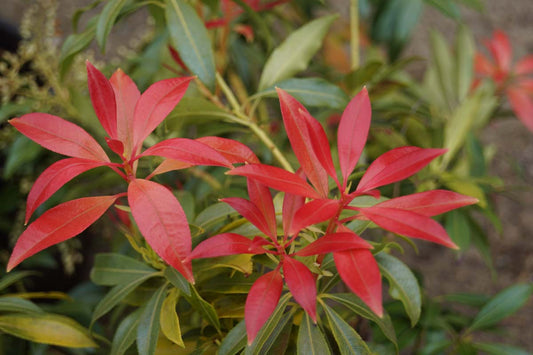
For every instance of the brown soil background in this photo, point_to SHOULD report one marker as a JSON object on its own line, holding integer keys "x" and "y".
{"x": 444, "y": 271}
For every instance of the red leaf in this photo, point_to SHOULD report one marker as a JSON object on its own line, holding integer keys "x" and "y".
{"x": 360, "y": 272}
{"x": 313, "y": 212}
{"x": 352, "y": 133}
{"x": 155, "y": 104}
{"x": 408, "y": 223}
{"x": 253, "y": 214}
{"x": 126, "y": 97}
{"x": 225, "y": 244}
{"x": 261, "y": 197}
{"x": 297, "y": 130}
{"x": 53, "y": 178}
{"x": 162, "y": 222}
{"x": 302, "y": 285}
{"x": 334, "y": 242}
{"x": 483, "y": 65}
{"x": 234, "y": 151}
{"x": 116, "y": 146}
{"x": 188, "y": 151}
{"x": 261, "y": 302}
{"x": 103, "y": 99}
{"x": 396, "y": 165}
{"x": 524, "y": 66}
{"x": 522, "y": 105}
{"x": 429, "y": 203}
{"x": 291, "y": 204}
{"x": 58, "y": 224}
{"x": 170, "y": 165}
{"x": 59, "y": 135}
{"x": 276, "y": 178}
{"x": 500, "y": 49}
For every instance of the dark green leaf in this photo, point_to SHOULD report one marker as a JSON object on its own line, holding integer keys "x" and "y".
{"x": 447, "y": 7}
{"x": 79, "y": 12}
{"x": 13, "y": 277}
{"x": 15, "y": 304}
{"x": 311, "y": 341}
{"x": 107, "y": 19}
{"x": 205, "y": 308}
{"x": 112, "y": 269}
{"x": 22, "y": 152}
{"x": 469, "y": 299}
{"x": 177, "y": 279}
{"x": 458, "y": 228}
{"x": 74, "y": 44}
{"x": 148, "y": 328}
{"x": 126, "y": 333}
{"x": 234, "y": 341}
{"x": 213, "y": 215}
{"x": 275, "y": 339}
{"x": 499, "y": 349}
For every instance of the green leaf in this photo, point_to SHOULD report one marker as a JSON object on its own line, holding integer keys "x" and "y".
{"x": 117, "y": 294}
{"x": 502, "y": 305}
{"x": 177, "y": 279}
{"x": 169, "y": 320}
{"x": 469, "y": 299}
{"x": 311, "y": 341}
{"x": 464, "y": 62}
{"x": 148, "y": 329}
{"x": 15, "y": 304}
{"x": 314, "y": 92}
{"x": 213, "y": 215}
{"x": 22, "y": 152}
{"x": 13, "y": 277}
{"x": 112, "y": 269}
{"x": 294, "y": 54}
{"x": 234, "y": 341}
{"x": 403, "y": 285}
{"x": 458, "y": 228}
{"x": 48, "y": 329}
{"x": 194, "y": 110}
{"x": 205, "y": 308}
{"x": 445, "y": 66}
{"x": 499, "y": 349}
{"x": 126, "y": 333}
{"x": 74, "y": 44}
{"x": 189, "y": 35}
{"x": 80, "y": 11}
{"x": 275, "y": 339}
{"x": 354, "y": 303}
{"x": 349, "y": 342}
{"x": 107, "y": 19}
{"x": 447, "y": 7}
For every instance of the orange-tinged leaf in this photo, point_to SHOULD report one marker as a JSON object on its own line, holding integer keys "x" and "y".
{"x": 103, "y": 99}
{"x": 334, "y": 242}
{"x": 170, "y": 165}
{"x": 162, "y": 222}
{"x": 58, "y": 224}
{"x": 261, "y": 302}
{"x": 353, "y": 132}
{"x": 360, "y": 272}
{"x": 223, "y": 245}
{"x": 155, "y": 104}
{"x": 302, "y": 285}
{"x": 59, "y": 135}
{"x": 53, "y": 178}
{"x": 313, "y": 212}
{"x": 234, "y": 151}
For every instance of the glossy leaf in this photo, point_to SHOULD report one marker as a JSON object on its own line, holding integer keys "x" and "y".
{"x": 234, "y": 151}
{"x": 58, "y": 224}
{"x": 262, "y": 198}
{"x": 311, "y": 341}
{"x": 222, "y": 245}
{"x": 396, "y": 165}
{"x": 352, "y": 133}
{"x": 112, "y": 269}
{"x": 294, "y": 54}
{"x": 501, "y": 306}
{"x": 162, "y": 222}
{"x": 409, "y": 224}
{"x": 107, "y": 19}
{"x": 291, "y": 204}
{"x": 302, "y": 284}
{"x": 47, "y": 328}
{"x": 276, "y": 178}
{"x": 148, "y": 328}
{"x": 177, "y": 280}
{"x": 313, "y": 212}
{"x": 169, "y": 320}
{"x": 252, "y": 213}
{"x": 403, "y": 285}
{"x": 103, "y": 98}
{"x": 261, "y": 302}
{"x": 60, "y": 136}
{"x": 189, "y": 36}
{"x": 334, "y": 242}
{"x": 53, "y": 178}
{"x": 360, "y": 272}
{"x": 126, "y": 333}
{"x": 234, "y": 341}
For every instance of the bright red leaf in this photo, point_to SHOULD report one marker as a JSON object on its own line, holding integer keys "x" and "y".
{"x": 260, "y": 196}
{"x": 234, "y": 151}
{"x": 103, "y": 99}
{"x": 522, "y": 104}
{"x": 249, "y": 210}
{"x": 313, "y": 212}
{"x": 225, "y": 244}
{"x": 302, "y": 284}
{"x": 291, "y": 204}
{"x": 334, "y": 242}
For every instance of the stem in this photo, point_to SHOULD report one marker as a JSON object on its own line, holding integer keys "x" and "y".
{"x": 354, "y": 33}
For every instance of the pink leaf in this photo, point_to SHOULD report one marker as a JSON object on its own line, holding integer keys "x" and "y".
{"x": 116, "y": 146}
{"x": 302, "y": 285}
{"x": 524, "y": 65}
{"x": 360, "y": 272}
{"x": 276, "y": 178}
{"x": 429, "y": 203}
{"x": 261, "y": 197}
{"x": 301, "y": 142}
{"x": 408, "y": 223}
{"x": 155, "y": 104}
{"x": 53, "y": 178}
{"x": 234, "y": 151}
{"x": 522, "y": 105}
{"x": 59, "y": 135}
{"x": 225, "y": 244}
{"x": 126, "y": 97}
{"x": 291, "y": 204}
{"x": 352, "y": 133}
{"x": 162, "y": 222}
{"x": 170, "y": 165}
{"x": 396, "y": 165}
{"x": 500, "y": 49}
{"x": 253, "y": 214}
{"x": 103, "y": 99}
{"x": 58, "y": 224}
{"x": 261, "y": 302}
{"x": 313, "y": 212}
{"x": 188, "y": 151}
{"x": 334, "y": 242}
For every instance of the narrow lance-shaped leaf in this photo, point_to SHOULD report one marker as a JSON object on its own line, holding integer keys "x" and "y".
{"x": 313, "y": 212}
{"x": 60, "y": 136}
{"x": 107, "y": 19}
{"x": 261, "y": 302}
{"x": 169, "y": 321}
{"x": 250, "y": 211}
{"x": 162, "y": 222}
{"x": 291, "y": 204}
{"x": 234, "y": 151}
{"x": 125, "y": 333}
{"x": 334, "y": 242}
{"x": 302, "y": 284}
{"x": 58, "y": 224}
{"x": 522, "y": 105}
{"x": 260, "y": 196}
{"x": 360, "y": 272}
{"x": 311, "y": 341}
{"x": 113, "y": 269}
{"x": 224, "y": 244}
{"x": 148, "y": 328}
{"x": 352, "y": 133}
{"x": 103, "y": 99}
{"x": 53, "y": 178}
{"x": 500, "y": 48}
